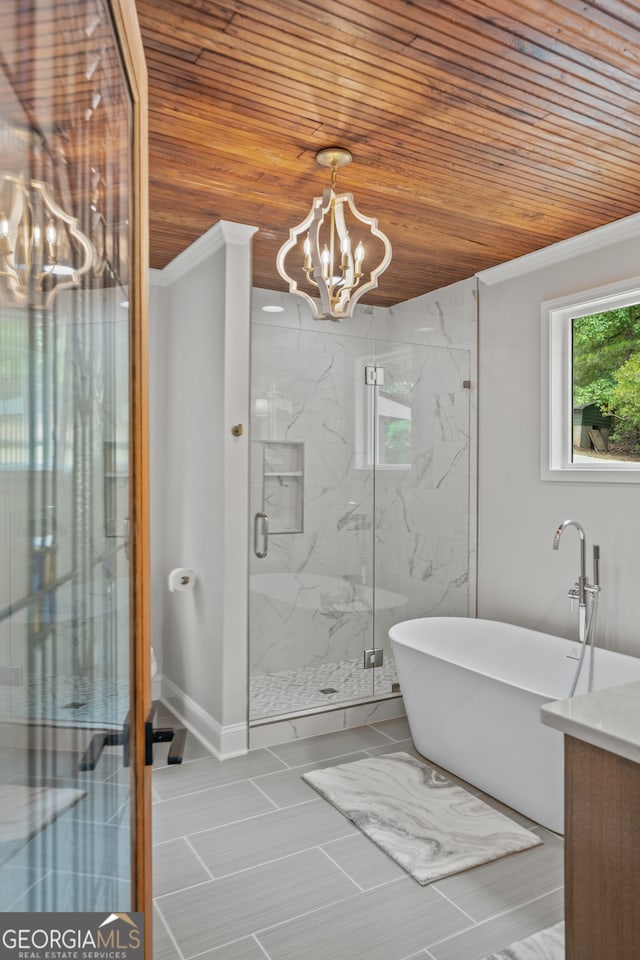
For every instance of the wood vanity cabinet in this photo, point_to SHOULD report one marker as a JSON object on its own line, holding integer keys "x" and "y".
{"x": 602, "y": 854}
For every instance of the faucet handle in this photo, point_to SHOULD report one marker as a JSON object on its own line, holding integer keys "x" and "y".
{"x": 573, "y": 594}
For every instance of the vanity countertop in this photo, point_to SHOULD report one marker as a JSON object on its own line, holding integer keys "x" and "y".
{"x": 609, "y": 719}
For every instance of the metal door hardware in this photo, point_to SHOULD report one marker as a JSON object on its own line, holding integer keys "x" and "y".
{"x": 261, "y": 520}
{"x": 373, "y": 376}
{"x": 372, "y": 658}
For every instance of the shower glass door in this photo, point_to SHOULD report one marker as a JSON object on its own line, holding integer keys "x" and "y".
{"x": 359, "y": 507}
{"x": 311, "y": 567}
{"x": 65, "y": 334}
{"x": 420, "y": 436}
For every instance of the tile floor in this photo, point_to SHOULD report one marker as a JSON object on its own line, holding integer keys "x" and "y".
{"x": 82, "y": 860}
{"x": 294, "y": 691}
{"x": 251, "y": 864}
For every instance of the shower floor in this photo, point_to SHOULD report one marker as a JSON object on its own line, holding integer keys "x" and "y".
{"x": 309, "y": 688}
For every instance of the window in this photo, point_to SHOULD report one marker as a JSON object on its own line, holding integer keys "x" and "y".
{"x": 591, "y": 385}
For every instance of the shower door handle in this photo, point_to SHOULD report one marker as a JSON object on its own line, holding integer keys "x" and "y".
{"x": 261, "y": 519}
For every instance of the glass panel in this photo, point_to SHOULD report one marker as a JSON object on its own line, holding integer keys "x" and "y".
{"x": 64, "y": 485}
{"x": 311, "y": 603}
{"x": 605, "y": 368}
{"x": 421, "y": 449}
{"x": 329, "y": 454}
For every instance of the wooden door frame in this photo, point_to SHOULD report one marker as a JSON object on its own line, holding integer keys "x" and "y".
{"x": 130, "y": 41}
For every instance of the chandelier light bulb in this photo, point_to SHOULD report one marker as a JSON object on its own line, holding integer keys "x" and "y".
{"x": 52, "y": 234}
{"x": 5, "y": 237}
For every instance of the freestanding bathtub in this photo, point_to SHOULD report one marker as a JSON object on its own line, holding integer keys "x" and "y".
{"x": 472, "y": 691}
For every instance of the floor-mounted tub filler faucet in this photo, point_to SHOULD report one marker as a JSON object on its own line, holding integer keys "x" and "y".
{"x": 585, "y": 593}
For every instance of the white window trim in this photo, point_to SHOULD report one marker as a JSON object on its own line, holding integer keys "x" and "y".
{"x": 557, "y": 400}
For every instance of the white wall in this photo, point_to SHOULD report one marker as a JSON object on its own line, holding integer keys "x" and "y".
{"x": 520, "y": 578}
{"x": 199, "y": 321}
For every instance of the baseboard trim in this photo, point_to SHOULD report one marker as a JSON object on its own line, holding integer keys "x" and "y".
{"x": 224, "y": 742}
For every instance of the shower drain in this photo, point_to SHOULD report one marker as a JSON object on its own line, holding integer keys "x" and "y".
{"x": 328, "y": 690}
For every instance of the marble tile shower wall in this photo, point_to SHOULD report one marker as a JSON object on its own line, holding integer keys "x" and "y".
{"x": 310, "y": 598}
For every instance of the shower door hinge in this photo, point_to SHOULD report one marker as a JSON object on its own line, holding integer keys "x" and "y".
{"x": 373, "y": 376}
{"x": 372, "y": 658}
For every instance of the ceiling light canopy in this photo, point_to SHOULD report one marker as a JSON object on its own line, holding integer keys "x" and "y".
{"x": 333, "y": 249}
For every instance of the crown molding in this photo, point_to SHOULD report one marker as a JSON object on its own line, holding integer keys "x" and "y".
{"x": 592, "y": 241}
{"x": 222, "y": 234}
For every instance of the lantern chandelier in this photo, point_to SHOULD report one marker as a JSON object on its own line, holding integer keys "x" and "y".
{"x": 42, "y": 250}
{"x": 333, "y": 263}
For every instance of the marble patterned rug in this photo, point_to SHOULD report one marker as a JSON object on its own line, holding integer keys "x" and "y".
{"x": 546, "y": 945}
{"x": 428, "y": 825}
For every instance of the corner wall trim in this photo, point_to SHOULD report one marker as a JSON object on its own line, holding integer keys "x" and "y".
{"x": 224, "y": 742}
{"x": 593, "y": 240}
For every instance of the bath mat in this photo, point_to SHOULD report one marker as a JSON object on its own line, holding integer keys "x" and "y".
{"x": 546, "y": 945}
{"x": 428, "y": 825}
{"x": 26, "y": 810}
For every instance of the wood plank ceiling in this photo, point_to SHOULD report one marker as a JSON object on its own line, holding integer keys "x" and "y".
{"x": 480, "y": 131}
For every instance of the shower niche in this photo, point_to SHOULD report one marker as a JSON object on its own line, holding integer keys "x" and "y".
{"x": 359, "y": 499}
{"x": 283, "y": 486}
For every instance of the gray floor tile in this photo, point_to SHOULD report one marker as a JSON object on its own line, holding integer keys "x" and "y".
{"x": 504, "y": 884}
{"x": 122, "y": 816}
{"x": 179, "y": 779}
{"x": 176, "y": 866}
{"x": 102, "y": 802}
{"x": 163, "y": 946}
{"x": 221, "y": 911}
{"x": 301, "y": 914}
{"x": 164, "y": 715}
{"x": 389, "y": 923}
{"x": 397, "y": 728}
{"x": 15, "y": 881}
{"x": 245, "y": 949}
{"x": 79, "y": 848}
{"x": 278, "y": 834}
{"x": 45, "y": 765}
{"x": 493, "y": 935}
{"x": 394, "y": 747}
{"x": 363, "y": 861}
{"x": 183, "y": 816}
{"x": 194, "y": 749}
{"x": 288, "y": 787}
{"x": 75, "y": 893}
{"x": 327, "y": 745}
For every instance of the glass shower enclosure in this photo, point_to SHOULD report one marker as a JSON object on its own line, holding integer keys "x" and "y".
{"x": 359, "y": 503}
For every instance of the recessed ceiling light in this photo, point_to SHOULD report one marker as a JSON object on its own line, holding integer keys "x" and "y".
{"x": 273, "y": 308}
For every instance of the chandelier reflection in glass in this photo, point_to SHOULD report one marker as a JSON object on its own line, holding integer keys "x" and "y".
{"x": 42, "y": 250}
{"x": 333, "y": 261}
